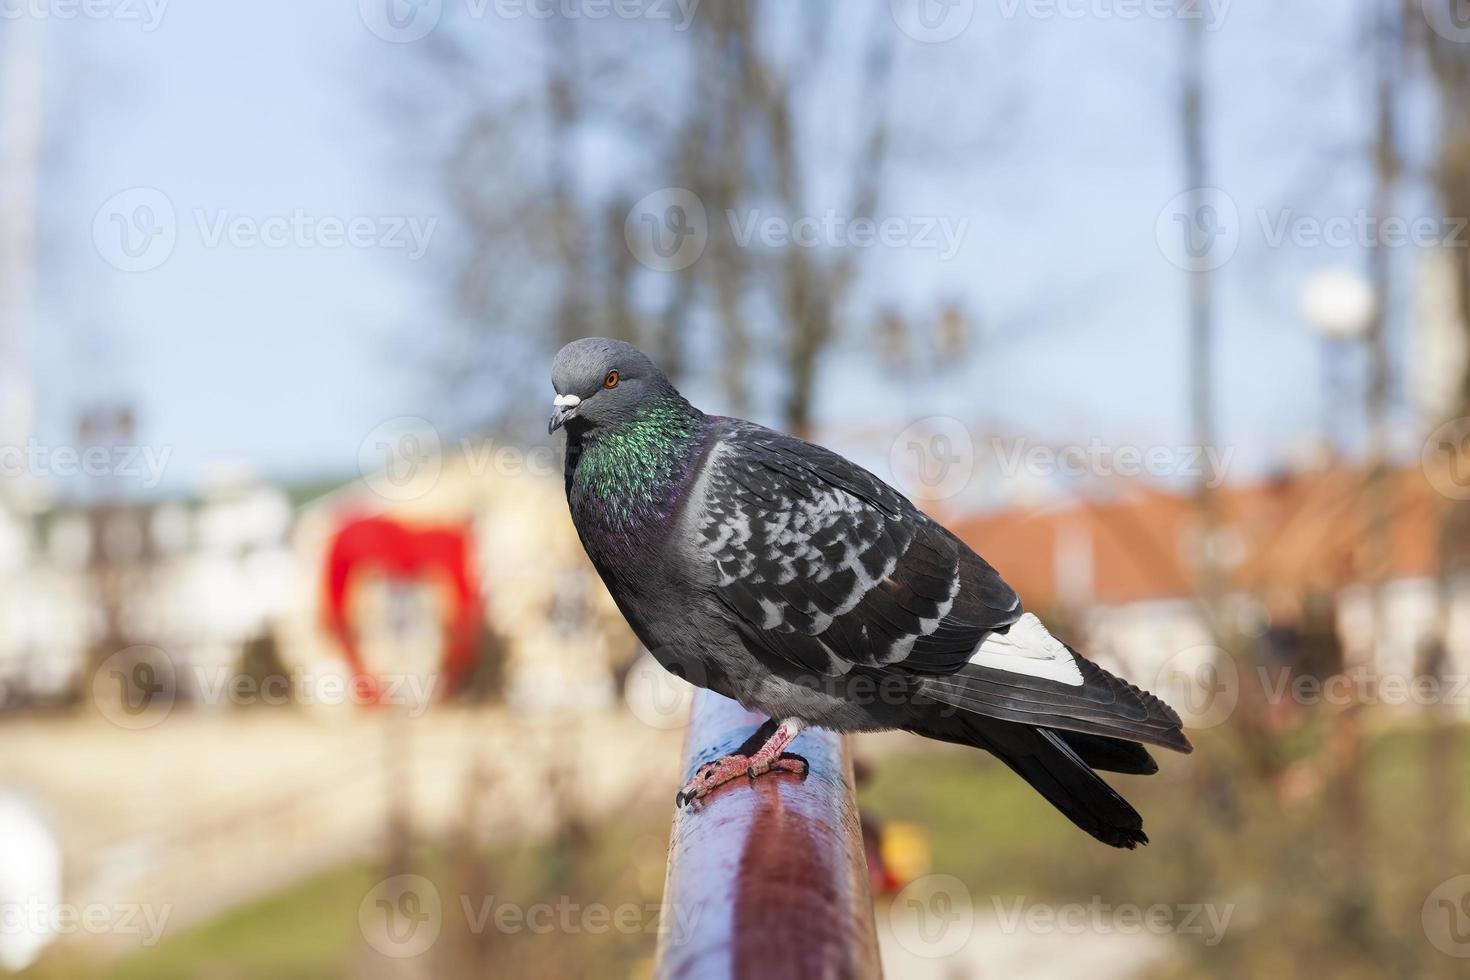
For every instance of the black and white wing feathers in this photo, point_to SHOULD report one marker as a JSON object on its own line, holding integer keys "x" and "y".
{"x": 828, "y": 567}
{"x": 825, "y": 566}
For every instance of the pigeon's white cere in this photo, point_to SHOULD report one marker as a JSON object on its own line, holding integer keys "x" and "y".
{"x": 566, "y": 401}
{"x": 30, "y": 874}
{"x": 1027, "y": 648}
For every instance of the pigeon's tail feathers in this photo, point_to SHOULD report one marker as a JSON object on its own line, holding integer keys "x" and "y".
{"x": 1111, "y": 754}
{"x": 1091, "y": 702}
{"x": 1047, "y": 761}
{"x": 1054, "y": 770}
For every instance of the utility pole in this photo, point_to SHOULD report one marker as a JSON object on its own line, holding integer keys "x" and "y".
{"x": 1197, "y": 867}
{"x": 1201, "y": 317}
{"x": 1387, "y": 45}
{"x": 20, "y": 145}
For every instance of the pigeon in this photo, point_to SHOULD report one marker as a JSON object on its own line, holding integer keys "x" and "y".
{"x": 790, "y": 579}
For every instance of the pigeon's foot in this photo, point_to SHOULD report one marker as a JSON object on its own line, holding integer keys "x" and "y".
{"x": 729, "y": 767}
{"x": 770, "y": 757}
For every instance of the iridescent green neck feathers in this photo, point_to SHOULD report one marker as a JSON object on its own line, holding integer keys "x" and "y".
{"x": 632, "y": 470}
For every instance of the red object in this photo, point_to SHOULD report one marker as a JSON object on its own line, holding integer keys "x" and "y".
{"x": 881, "y": 878}
{"x": 384, "y": 545}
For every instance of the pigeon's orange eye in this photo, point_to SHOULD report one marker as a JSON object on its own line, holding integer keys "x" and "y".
{"x": 611, "y": 381}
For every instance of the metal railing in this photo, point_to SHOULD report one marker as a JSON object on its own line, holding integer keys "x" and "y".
{"x": 769, "y": 875}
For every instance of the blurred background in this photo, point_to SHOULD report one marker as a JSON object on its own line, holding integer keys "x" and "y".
{"x": 1162, "y": 305}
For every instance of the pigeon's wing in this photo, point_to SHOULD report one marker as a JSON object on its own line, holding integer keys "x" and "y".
{"x": 826, "y": 566}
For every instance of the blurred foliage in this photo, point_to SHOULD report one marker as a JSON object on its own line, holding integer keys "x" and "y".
{"x": 1231, "y": 841}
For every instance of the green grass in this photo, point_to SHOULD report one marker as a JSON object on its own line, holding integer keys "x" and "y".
{"x": 298, "y": 933}
{"x": 984, "y": 824}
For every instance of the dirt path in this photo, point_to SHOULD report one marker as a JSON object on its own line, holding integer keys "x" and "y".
{"x": 206, "y": 810}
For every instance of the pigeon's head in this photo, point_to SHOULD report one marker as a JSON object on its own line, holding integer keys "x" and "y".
{"x": 601, "y": 382}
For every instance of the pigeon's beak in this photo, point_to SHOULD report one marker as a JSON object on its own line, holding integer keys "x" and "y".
{"x": 563, "y": 408}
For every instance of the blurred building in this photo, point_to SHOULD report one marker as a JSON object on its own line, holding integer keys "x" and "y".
{"x": 198, "y": 577}
{"x": 1124, "y": 565}
{"x": 471, "y": 579}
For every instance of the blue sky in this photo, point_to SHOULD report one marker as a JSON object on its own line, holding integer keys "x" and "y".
{"x": 286, "y": 357}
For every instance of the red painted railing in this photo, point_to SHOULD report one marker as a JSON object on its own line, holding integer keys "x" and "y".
{"x": 767, "y": 876}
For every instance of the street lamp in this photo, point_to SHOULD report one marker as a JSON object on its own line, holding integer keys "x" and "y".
{"x": 1339, "y": 305}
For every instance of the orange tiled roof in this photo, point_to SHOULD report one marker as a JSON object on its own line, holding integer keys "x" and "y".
{"x": 1307, "y": 530}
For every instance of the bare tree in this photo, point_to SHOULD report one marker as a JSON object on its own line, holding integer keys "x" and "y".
{"x": 1448, "y": 63}
{"x": 725, "y": 111}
